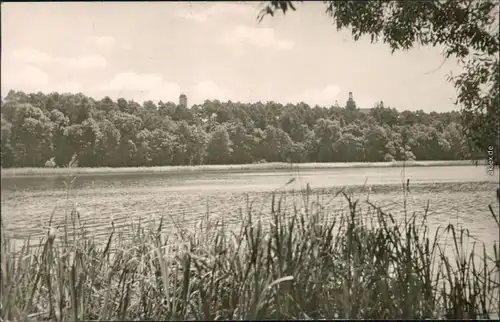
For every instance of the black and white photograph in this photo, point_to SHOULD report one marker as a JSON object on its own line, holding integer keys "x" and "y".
{"x": 250, "y": 160}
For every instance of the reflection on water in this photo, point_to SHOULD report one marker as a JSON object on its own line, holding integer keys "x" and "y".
{"x": 457, "y": 194}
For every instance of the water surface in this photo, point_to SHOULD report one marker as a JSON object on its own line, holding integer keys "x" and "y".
{"x": 456, "y": 194}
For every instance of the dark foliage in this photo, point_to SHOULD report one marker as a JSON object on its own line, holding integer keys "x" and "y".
{"x": 47, "y": 130}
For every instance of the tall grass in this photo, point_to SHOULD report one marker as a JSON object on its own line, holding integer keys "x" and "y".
{"x": 305, "y": 263}
{"x": 16, "y": 172}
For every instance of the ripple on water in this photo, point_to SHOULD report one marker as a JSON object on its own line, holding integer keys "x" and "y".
{"x": 25, "y": 212}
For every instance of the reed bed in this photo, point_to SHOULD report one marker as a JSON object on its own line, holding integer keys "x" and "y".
{"x": 16, "y": 172}
{"x": 296, "y": 263}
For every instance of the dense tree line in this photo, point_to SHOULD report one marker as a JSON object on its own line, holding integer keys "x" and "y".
{"x": 40, "y": 127}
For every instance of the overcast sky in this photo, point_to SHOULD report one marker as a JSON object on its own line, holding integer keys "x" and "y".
{"x": 155, "y": 51}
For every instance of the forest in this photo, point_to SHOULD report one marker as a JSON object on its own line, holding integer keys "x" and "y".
{"x": 40, "y": 130}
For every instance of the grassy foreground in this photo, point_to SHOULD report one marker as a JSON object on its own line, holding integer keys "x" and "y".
{"x": 306, "y": 264}
{"x": 16, "y": 172}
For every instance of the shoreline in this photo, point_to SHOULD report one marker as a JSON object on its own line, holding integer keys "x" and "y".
{"x": 261, "y": 167}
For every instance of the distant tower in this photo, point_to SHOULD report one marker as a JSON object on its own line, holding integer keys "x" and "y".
{"x": 183, "y": 100}
{"x": 350, "y": 104}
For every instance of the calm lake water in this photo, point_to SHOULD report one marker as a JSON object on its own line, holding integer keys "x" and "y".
{"x": 456, "y": 194}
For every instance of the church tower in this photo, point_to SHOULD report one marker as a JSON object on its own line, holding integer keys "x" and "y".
{"x": 350, "y": 104}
